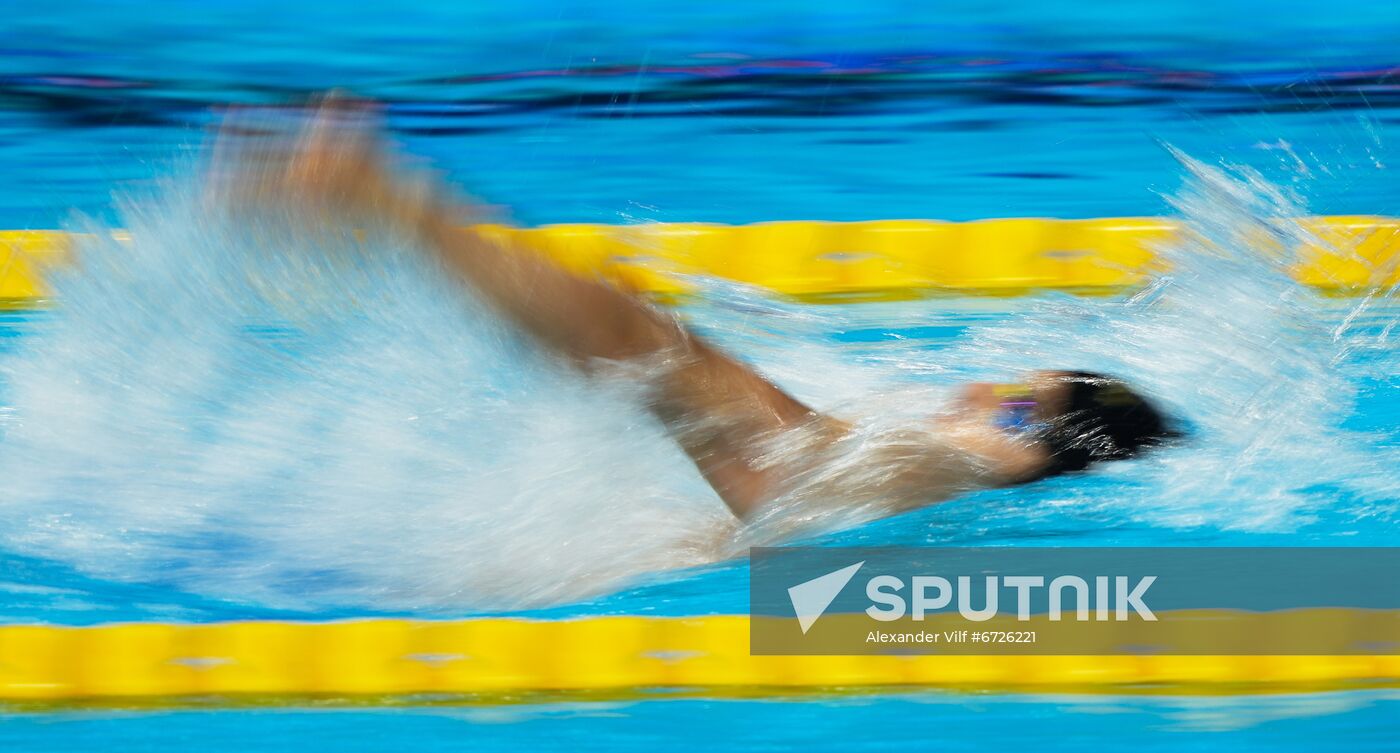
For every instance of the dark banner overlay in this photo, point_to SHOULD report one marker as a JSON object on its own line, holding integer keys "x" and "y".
{"x": 1146, "y": 601}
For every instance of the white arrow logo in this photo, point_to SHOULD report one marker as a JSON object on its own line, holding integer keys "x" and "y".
{"x": 810, "y": 599}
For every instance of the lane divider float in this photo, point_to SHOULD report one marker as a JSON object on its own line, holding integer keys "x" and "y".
{"x": 485, "y": 656}
{"x": 881, "y": 259}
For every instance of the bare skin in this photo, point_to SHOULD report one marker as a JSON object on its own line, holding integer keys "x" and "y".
{"x": 721, "y": 412}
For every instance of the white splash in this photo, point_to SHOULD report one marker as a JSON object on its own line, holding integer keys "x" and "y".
{"x": 1256, "y": 365}
{"x": 242, "y": 409}
{"x": 250, "y": 412}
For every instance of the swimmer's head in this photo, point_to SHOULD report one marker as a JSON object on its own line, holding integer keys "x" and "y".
{"x": 1078, "y": 418}
{"x": 1093, "y": 418}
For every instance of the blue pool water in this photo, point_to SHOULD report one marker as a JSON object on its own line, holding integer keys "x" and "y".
{"x": 737, "y": 112}
{"x": 182, "y": 444}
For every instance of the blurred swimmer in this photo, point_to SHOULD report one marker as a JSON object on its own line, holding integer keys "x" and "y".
{"x": 752, "y": 442}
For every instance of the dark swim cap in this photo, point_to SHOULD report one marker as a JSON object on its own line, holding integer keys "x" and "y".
{"x": 1104, "y": 420}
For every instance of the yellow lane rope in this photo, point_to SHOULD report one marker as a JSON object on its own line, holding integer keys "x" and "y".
{"x": 807, "y": 259}
{"x": 864, "y": 260}
{"x": 389, "y": 657}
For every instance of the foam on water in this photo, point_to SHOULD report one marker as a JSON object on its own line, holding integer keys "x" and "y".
{"x": 247, "y": 409}
{"x": 1260, "y": 369}
{"x": 252, "y": 412}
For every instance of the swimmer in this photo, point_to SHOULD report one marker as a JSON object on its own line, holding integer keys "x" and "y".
{"x": 753, "y": 442}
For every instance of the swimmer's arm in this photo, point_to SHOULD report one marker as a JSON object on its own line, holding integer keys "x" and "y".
{"x": 720, "y": 411}
{"x": 581, "y": 318}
